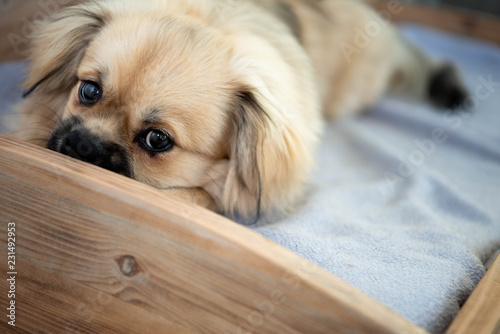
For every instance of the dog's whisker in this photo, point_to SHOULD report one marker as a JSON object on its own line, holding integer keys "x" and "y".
{"x": 54, "y": 113}
{"x": 49, "y": 119}
{"x": 32, "y": 127}
{"x": 37, "y": 141}
{"x": 29, "y": 129}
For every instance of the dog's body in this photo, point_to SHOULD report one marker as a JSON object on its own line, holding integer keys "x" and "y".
{"x": 217, "y": 102}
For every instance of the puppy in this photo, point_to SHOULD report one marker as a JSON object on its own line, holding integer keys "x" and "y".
{"x": 216, "y": 102}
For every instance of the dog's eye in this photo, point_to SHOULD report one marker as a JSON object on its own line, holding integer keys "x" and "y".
{"x": 89, "y": 93}
{"x": 157, "y": 141}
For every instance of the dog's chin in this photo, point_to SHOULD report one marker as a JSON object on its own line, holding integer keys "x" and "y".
{"x": 71, "y": 138}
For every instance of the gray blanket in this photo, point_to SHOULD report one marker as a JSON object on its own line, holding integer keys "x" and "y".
{"x": 405, "y": 202}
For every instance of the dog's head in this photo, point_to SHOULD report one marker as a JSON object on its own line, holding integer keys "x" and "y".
{"x": 172, "y": 97}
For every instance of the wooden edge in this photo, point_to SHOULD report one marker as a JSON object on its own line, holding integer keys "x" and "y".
{"x": 481, "y": 312}
{"x": 98, "y": 232}
{"x": 451, "y": 19}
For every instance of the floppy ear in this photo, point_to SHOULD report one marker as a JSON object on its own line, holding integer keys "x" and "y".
{"x": 59, "y": 45}
{"x": 276, "y": 121}
{"x": 269, "y": 158}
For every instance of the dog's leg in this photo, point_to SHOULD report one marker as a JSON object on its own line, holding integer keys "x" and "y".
{"x": 416, "y": 76}
{"x": 362, "y": 48}
{"x": 373, "y": 60}
{"x": 389, "y": 64}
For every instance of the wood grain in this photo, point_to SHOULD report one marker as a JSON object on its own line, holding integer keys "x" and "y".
{"x": 481, "y": 312}
{"x": 194, "y": 270}
{"x": 71, "y": 307}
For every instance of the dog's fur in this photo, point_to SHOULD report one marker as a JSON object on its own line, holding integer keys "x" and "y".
{"x": 240, "y": 86}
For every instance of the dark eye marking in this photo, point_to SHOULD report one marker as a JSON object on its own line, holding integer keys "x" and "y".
{"x": 155, "y": 141}
{"x": 89, "y": 93}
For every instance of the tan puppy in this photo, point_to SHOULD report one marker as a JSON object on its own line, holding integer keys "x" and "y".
{"x": 217, "y": 102}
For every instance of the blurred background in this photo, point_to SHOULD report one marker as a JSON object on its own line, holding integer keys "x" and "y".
{"x": 486, "y": 6}
{"x": 479, "y": 19}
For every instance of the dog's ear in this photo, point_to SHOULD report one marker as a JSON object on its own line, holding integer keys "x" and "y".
{"x": 59, "y": 45}
{"x": 275, "y": 122}
{"x": 269, "y": 161}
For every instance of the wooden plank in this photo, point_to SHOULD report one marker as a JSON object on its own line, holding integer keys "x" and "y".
{"x": 71, "y": 307}
{"x": 481, "y": 312}
{"x": 192, "y": 268}
{"x": 451, "y": 19}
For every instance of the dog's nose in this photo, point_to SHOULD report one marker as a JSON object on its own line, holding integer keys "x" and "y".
{"x": 75, "y": 140}
{"x": 81, "y": 146}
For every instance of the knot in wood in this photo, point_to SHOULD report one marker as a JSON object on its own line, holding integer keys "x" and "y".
{"x": 128, "y": 266}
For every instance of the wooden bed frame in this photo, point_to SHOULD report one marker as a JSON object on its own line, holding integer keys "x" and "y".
{"x": 96, "y": 252}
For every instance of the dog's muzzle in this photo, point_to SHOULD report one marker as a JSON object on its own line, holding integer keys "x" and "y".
{"x": 73, "y": 139}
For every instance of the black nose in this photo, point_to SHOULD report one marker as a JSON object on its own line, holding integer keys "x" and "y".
{"x": 81, "y": 146}
{"x": 72, "y": 138}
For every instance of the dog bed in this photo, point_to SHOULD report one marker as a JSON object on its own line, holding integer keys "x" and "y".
{"x": 404, "y": 202}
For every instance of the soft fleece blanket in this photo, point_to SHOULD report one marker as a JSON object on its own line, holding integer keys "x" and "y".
{"x": 405, "y": 202}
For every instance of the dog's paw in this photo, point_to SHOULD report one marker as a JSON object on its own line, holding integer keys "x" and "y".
{"x": 446, "y": 89}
